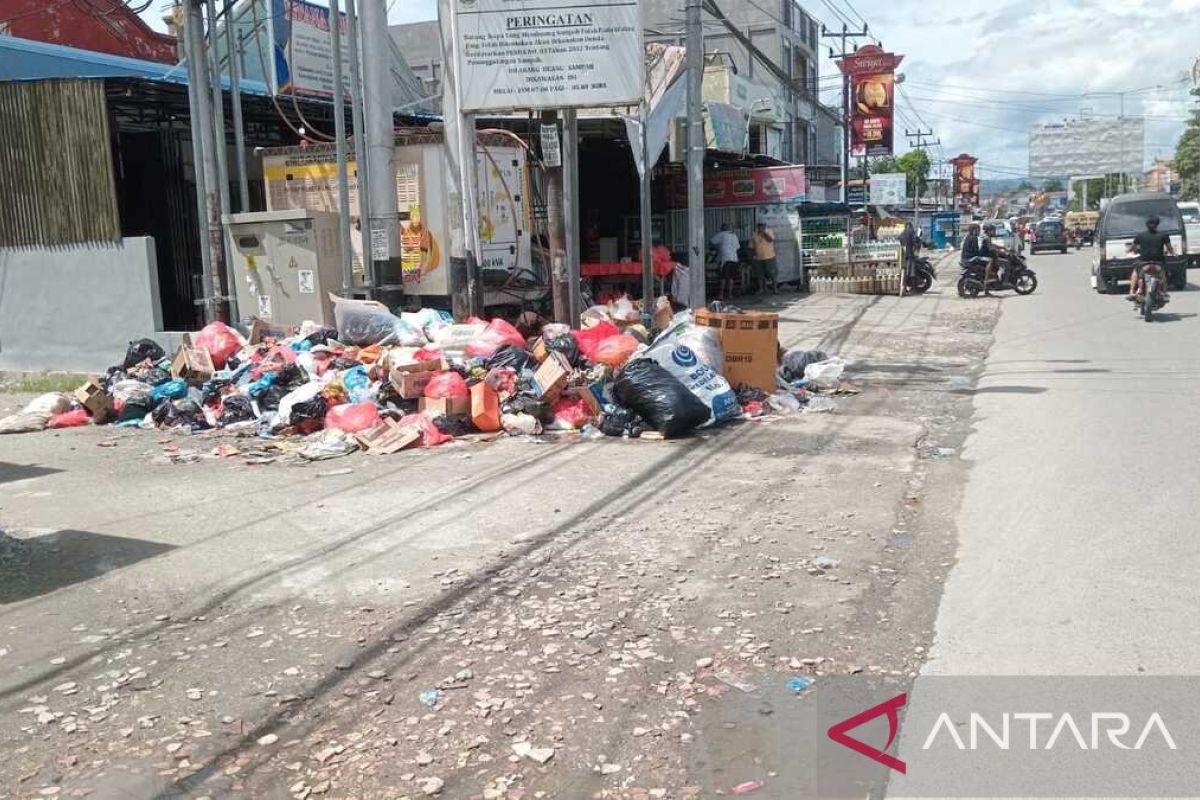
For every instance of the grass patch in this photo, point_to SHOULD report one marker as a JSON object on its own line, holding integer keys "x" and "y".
{"x": 40, "y": 384}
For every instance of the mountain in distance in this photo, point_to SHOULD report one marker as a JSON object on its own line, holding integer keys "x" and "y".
{"x": 995, "y": 185}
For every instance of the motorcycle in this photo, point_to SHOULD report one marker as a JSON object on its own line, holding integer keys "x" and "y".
{"x": 921, "y": 277}
{"x": 1153, "y": 294}
{"x": 1012, "y": 272}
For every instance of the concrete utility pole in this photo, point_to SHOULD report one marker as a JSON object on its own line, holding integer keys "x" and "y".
{"x": 570, "y": 145}
{"x": 697, "y": 245}
{"x": 233, "y": 48}
{"x": 380, "y": 137}
{"x": 217, "y": 128}
{"x": 192, "y": 32}
{"x": 920, "y": 144}
{"x": 206, "y": 171}
{"x": 339, "y": 132}
{"x": 645, "y": 211}
{"x": 556, "y": 222}
{"x": 360, "y": 163}
{"x": 844, "y": 35}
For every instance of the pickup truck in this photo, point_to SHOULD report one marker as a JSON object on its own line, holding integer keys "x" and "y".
{"x": 1191, "y": 227}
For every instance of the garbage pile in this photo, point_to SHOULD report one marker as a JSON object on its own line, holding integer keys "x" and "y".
{"x": 382, "y": 383}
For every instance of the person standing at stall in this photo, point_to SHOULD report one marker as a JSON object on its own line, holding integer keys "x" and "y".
{"x": 727, "y": 247}
{"x": 762, "y": 242}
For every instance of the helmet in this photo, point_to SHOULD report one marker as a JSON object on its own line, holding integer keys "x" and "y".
{"x": 1152, "y": 223}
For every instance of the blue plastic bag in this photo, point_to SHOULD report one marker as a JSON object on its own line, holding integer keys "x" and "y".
{"x": 171, "y": 390}
{"x": 358, "y": 385}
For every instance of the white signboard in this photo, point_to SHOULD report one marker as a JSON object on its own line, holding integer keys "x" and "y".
{"x": 548, "y": 53}
{"x": 302, "y": 49}
{"x": 551, "y": 150}
{"x": 1087, "y": 146}
{"x": 889, "y": 189}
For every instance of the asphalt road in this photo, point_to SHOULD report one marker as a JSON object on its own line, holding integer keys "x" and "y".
{"x": 1078, "y": 535}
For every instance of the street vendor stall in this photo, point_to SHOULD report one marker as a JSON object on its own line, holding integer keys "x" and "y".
{"x": 841, "y": 261}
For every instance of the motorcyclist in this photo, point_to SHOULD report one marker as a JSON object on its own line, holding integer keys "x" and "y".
{"x": 1150, "y": 247}
{"x": 977, "y": 249}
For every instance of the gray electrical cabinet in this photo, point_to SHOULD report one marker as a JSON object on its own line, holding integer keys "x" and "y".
{"x": 285, "y": 264}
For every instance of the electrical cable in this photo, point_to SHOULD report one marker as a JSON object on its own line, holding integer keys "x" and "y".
{"x": 308, "y": 126}
{"x": 263, "y": 64}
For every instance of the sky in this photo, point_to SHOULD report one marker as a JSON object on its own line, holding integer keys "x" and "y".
{"x": 979, "y": 73}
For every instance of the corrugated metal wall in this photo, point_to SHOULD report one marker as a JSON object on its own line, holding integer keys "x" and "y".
{"x": 56, "y": 168}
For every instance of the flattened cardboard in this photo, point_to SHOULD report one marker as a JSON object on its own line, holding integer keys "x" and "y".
{"x": 552, "y": 376}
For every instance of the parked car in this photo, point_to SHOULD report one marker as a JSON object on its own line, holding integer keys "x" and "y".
{"x": 1124, "y": 218}
{"x": 1005, "y": 235}
{"x": 1049, "y": 235}
{"x": 1191, "y": 227}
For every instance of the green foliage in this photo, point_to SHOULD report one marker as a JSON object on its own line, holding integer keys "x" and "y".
{"x": 1187, "y": 156}
{"x": 915, "y": 164}
{"x": 1053, "y": 185}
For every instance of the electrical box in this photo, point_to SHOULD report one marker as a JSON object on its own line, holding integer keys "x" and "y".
{"x": 285, "y": 264}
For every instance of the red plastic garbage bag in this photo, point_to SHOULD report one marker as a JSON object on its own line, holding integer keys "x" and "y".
{"x": 616, "y": 350}
{"x": 447, "y": 384}
{"x": 353, "y": 417}
{"x": 71, "y": 419}
{"x": 589, "y": 339}
{"x": 430, "y": 435}
{"x": 497, "y": 334}
{"x": 220, "y": 340}
{"x": 572, "y": 412}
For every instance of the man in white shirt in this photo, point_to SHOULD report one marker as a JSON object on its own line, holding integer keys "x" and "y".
{"x": 727, "y": 246}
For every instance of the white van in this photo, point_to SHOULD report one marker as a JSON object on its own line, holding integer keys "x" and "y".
{"x": 1191, "y": 226}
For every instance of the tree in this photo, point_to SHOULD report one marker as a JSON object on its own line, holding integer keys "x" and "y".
{"x": 1187, "y": 156}
{"x": 1025, "y": 186}
{"x": 1095, "y": 190}
{"x": 885, "y": 165}
{"x": 915, "y": 164}
{"x": 1053, "y": 185}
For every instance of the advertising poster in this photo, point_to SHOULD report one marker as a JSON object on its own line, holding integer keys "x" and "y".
{"x": 966, "y": 185}
{"x": 872, "y": 99}
{"x": 302, "y": 51}
{"x": 889, "y": 189}
{"x": 548, "y": 53}
{"x": 787, "y": 184}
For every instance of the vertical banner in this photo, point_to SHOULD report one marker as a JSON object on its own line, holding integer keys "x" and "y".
{"x": 966, "y": 185}
{"x": 872, "y": 99}
{"x": 302, "y": 52}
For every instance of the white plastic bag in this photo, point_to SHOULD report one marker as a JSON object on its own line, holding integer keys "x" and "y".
{"x": 283, "y": 416}
{"x": 454, "y": 339}
{"x": 825, "y": 374}
{"x": 35, "y": 415}
{"x": 365, "y": 322}
{"x": 699, "y": 378}
{"x": 704, "y": 342}
{"x": 429, "y": 321}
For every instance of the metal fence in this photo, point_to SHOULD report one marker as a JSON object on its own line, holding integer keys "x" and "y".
{"x": 56, "y": 169}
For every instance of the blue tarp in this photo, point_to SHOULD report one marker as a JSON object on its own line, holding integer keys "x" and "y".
{"x": 25, "y": 60}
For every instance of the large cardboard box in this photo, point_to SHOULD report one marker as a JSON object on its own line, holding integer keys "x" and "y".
{"x": 409, "y": 380}
{"x": 485, "y": 407}
{"x": 751, "y": 344}
{"x": 192, "y": 364}
{"x": 552, "y": 376}
{"x": 446, "y": 406}
{"x": 93, "y": 397}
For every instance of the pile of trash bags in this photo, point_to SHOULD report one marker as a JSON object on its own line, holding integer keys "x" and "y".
{"x": 381, "y": 382}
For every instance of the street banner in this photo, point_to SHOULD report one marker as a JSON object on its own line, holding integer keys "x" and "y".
{"x": 301, "y": 50}
{"x": 759, "y": 186}
{"x": 872, "y": 99}
{"x": 966, "y": 185}
{"x": 726, "y": 128}
{"x": 548, "y": 53}
{"x": 889, "y": 189}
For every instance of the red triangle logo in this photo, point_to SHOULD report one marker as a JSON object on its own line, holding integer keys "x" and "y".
{"x": 889, "y": 707}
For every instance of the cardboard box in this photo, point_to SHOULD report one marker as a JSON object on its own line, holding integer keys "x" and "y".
{"x": 388, "y": 437}
{"x": 485, "y": 408}
{"x": 446, "y": 406}
{"x": 540, "y": 350}
{"x": 260, "y": 330}
{"x": 192, "y": 364}
{"x": 751, "y": 344}
{"x": 409, "y": 380}
{"x": 93, "y": 397}
{"x": 592, "y": 398}
{"x": 552, "y": 376}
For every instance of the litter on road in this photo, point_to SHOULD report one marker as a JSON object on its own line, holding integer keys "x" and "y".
{"x": 382, "y": 383}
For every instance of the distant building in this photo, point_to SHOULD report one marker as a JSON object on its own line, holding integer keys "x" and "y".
{"x": 1161, "y": 177}
{"x": 102, "y": 26}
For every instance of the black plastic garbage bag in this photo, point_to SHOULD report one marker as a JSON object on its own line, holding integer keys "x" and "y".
{"x": 154, "y": 376}
{"x": 567, "y": 346}
{"x": 310, "y": 413}
{"x": 165, "y": 415}
{"x": 190, "y": 414}
{"x": 269, "y": 399}
{"x": 660, "y": 398}
{"x": 291, "y": 377}
{"x": 141, "y": 350}
{"x": 622, "y": 422}
{"x": 453, "y": 426}
{"x": 236, "y": 408}
{"x": 322, "y": 335}
{"x": 525, "y": 404}
{"x": 512, "y": 357}
{"x": 795, "y": 362}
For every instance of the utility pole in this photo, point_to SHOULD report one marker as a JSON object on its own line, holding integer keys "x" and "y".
{"x": 556, "y": 222}
{"x": 192, "y": 33}
{"x": 209, "y": 211}
{"x": 339, "y": 132}
{"x": 233, "y": 48}
{"x": 844, "y": 36}
{"x": 360, "y": 161}
{"x": 647, "y": 234}
{"x": 217, "y": 130}
{"x": 920, "y": 144}
{"x": 697, "y": 247}
{"x": 570, "y": 145}
{"x": 380, "y": 139}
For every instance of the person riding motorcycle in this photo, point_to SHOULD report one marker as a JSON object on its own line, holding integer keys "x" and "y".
{"x": 1150, "y": 246}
